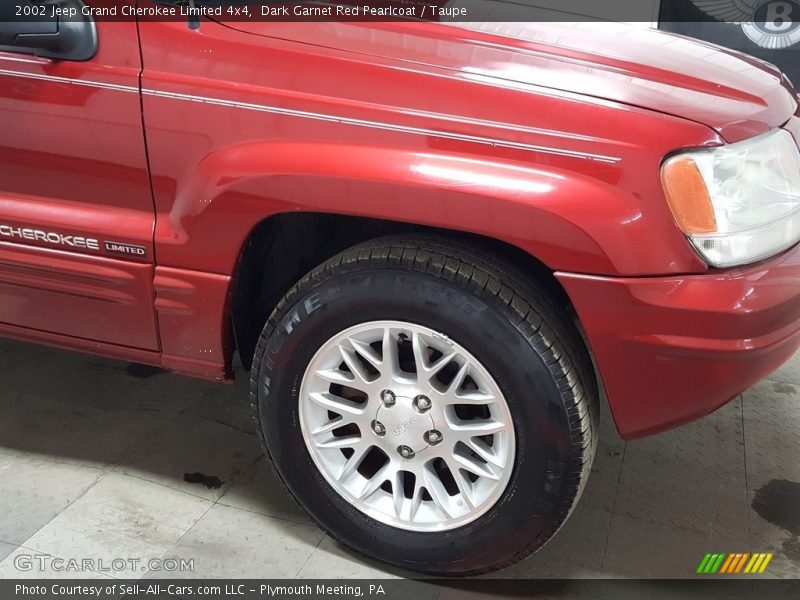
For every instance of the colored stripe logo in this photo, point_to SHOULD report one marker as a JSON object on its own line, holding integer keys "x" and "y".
{"x": 730, "y": 564}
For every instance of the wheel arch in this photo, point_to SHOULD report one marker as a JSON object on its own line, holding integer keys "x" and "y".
{"x": 289, "y": 245}
{"x": 566, "y": 214}
{"x": 268, "y": 210}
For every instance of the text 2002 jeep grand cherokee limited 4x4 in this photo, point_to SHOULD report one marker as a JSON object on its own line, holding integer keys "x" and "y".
{"x": 418, "y": 234}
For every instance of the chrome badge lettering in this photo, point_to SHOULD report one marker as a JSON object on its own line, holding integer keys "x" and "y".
{"x": 126, "y": 249}
{"x": 48, "y": 237}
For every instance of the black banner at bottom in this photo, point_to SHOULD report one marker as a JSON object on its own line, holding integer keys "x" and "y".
{"x": 466, "y": 589}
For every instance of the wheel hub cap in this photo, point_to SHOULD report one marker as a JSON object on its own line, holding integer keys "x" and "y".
{"x": 404, "y": 425}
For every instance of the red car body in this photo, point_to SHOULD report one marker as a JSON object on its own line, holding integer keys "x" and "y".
{"x": 172, "y": 146}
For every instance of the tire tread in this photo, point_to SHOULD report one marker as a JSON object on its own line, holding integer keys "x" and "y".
{"x": 528, "y": 307}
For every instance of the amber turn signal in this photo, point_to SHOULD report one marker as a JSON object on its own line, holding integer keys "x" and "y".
{"x": 688, "y": 196}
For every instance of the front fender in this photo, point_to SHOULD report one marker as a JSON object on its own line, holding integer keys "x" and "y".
{"x": 570, "y": 221}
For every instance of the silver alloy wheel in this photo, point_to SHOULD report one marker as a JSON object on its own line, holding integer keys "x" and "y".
{"x": 407, "y": 426}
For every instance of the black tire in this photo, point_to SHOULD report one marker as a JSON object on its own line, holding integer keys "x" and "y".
{"x": 488, "y": 306}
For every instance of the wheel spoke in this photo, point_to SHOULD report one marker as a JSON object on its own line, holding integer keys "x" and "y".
{"x": 440, "y": 364}
{"x": 474, "y": 398}
{"x": 359, "y": 452}
{"x": 421, "y": 358}
{"x": 391, "y": 359}
{"x": 340, "y": 421}
{"x": 458, "y": 380}
{"x": 337, "y": 404}
{"x": 399, "y": 494}
{"x": 356, "y": 368}
{"x": 473, "y": 465}
{"x": 416, "y": 500}
{"x": 372, "y": 484}
{"x": 464, "y": 486}
{"x": 367, "y": 353}
{"x": 420, "y": 352}
{"x": 437, "y": 491}
{"x": 469, "y": 429}
{"x": 336, "y": 376}
{"x": 484, "y": 451}
{"x": 339, "y": 442}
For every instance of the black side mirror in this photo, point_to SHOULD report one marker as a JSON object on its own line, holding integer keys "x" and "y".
{"x": 48, "y": 28}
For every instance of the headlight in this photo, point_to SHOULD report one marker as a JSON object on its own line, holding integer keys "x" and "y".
{"x": 738, "y": 203}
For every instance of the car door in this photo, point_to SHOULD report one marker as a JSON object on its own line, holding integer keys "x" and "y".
{"x": 76, "y": 209}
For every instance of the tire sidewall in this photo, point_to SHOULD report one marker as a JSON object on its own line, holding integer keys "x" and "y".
{"x": 529, "y": 507}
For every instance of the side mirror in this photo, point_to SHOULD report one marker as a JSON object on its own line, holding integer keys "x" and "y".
{"x": 51, "y": 29}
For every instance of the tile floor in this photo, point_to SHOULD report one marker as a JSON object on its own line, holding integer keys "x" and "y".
{"x": 93, "y": 455}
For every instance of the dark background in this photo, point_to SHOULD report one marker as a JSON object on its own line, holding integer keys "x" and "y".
{"x": 682, "y": 16}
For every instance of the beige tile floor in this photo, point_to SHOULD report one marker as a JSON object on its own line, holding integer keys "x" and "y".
{"x": 93, "y": 455}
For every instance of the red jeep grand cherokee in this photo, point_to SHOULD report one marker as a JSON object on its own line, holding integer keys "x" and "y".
{"x": 418, "y": 234}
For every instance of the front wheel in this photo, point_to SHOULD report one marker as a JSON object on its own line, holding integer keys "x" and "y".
{"x": 428, "y": 406}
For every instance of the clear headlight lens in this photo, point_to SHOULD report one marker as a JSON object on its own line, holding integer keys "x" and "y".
{"x": 738, "y": 203}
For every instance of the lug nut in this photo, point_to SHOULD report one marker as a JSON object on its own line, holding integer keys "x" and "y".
{"x": 378, "y": 428}
{"x": 405, "y": 452}
{"x": 433, "y": 437}
{"x": 388, "y": 399}
{"x": 422, "y": 403}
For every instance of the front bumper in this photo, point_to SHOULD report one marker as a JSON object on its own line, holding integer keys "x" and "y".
{"x": 672, "y": 349}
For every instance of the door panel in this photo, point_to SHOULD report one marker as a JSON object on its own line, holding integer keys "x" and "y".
{"x": 76, "y": 210}
{"x": 81, "y": 296}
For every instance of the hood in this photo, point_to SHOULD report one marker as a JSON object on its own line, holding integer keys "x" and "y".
{"x": 737, "y": 95}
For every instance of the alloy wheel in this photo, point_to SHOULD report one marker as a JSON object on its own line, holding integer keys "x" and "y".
{"x": 407, "y": 425}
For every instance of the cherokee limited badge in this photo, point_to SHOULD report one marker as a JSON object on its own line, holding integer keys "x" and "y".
{"x": 48, "y": 237}
{"x": 126, "y": 249}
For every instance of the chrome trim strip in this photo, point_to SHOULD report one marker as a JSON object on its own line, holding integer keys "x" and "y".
{"x": 67, "y": 80}
{"x": 384, "y": 126}
{"x": 34, "y": 60}
{"x": 322, "y": 117}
